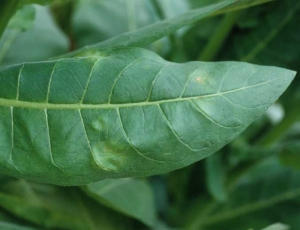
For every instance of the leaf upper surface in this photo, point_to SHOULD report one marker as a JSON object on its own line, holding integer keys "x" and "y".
{"x": 125, "y": 112}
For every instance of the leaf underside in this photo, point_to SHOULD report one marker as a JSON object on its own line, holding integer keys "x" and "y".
{"x": 125, "y": 112}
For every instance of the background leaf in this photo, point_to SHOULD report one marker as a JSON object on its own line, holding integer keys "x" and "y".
{"x": 117, "y": 17}
{"x": 289, "y": 155}
{"x": 161, "y": 29}
{"x": 266, "y": 188}
{"x": 273, "y": 40}
{"x": 54, "y": 207}
{"x": 21, "y": 21}
{"x": 133, "y": 197}
{"x": 43, "y": 40}
{"x": 277, "y": 226}
{"x": 41, "y": 2}
{"x": 151, "y": 33}
{"x": 215, "y": 174}
{"x": 9, "y": 226}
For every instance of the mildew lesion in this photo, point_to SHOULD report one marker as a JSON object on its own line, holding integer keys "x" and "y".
{"x": 109, "y": 150}
{"x": 200, "y": 80}
{"x": 109, "y": 156}
{"x": 93, "y": 53}
{"x": 200, "y": 76}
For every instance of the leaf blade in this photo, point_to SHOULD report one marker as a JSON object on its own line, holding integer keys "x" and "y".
{"x": 81, "y": 123}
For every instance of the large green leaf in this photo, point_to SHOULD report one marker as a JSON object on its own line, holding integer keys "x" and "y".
{"x": 125, "y": 112}
{"x": 133, "y": 197}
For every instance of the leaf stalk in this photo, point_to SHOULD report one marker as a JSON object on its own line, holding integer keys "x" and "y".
{"x": 220, "y": 35}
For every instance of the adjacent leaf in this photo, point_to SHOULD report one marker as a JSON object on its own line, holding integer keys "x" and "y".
{"x": 10, "y": 226}
{"x": 274, "y": 41}
{"x": 268, "y": 193}
{"x": 242, "y": 4}
{"x": 96, "y": 21}
{"x": 52, "y": 207}
{"x": 41, "y": 2}
{"x": 287, "y": 152}
{"x": 289, "y": 155}
{"x": 215, "y": 177}
{"x": 7, "y": 10}
{"x": 278, "y": 27}
{"x": 125, "y": 113}
{"x": 21, "y": 21}
{"x": 153, "y": 32}
{"x": 277, "y": 226}
{"x": 40, "y": 42}
{"x": 133, "y": 197}
{"x": 8, "y": 221}
{"x": 167, "y": 8}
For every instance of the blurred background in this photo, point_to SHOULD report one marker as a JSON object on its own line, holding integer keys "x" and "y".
{"x": 251, "y": 183}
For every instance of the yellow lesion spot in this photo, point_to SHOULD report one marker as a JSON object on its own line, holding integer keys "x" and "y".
{"x": 111, "y": 157}
{"x": 200, "y": 80}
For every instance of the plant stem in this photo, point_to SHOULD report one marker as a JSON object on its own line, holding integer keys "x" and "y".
{"x": 196, "y": 224}
{"x": 7, "y": 10}
{"x": 276, "y": 133}
{"x": 221, "y": 33}
{"x": 160, "y": 12}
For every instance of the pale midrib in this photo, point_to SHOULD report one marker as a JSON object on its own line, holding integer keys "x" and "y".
{"x": 42, "y": 105}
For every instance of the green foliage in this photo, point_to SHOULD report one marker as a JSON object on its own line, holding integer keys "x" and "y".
{"x": 266, "y": 185}
{"x": 277, "y": 226}
{"x": 153, "y": 32}
{"x": 41, "y": 2}
{"x": 107, "y": 109}
{"x": 9, "y": 226}
{"x": 215, "y": 177}
{"x": 51, "y": 41}
{"x": 91, "y": 119}
{"x": 132, "y": 197}
{"x": 21, "y": 21}
{"x": 55, "y": 207}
